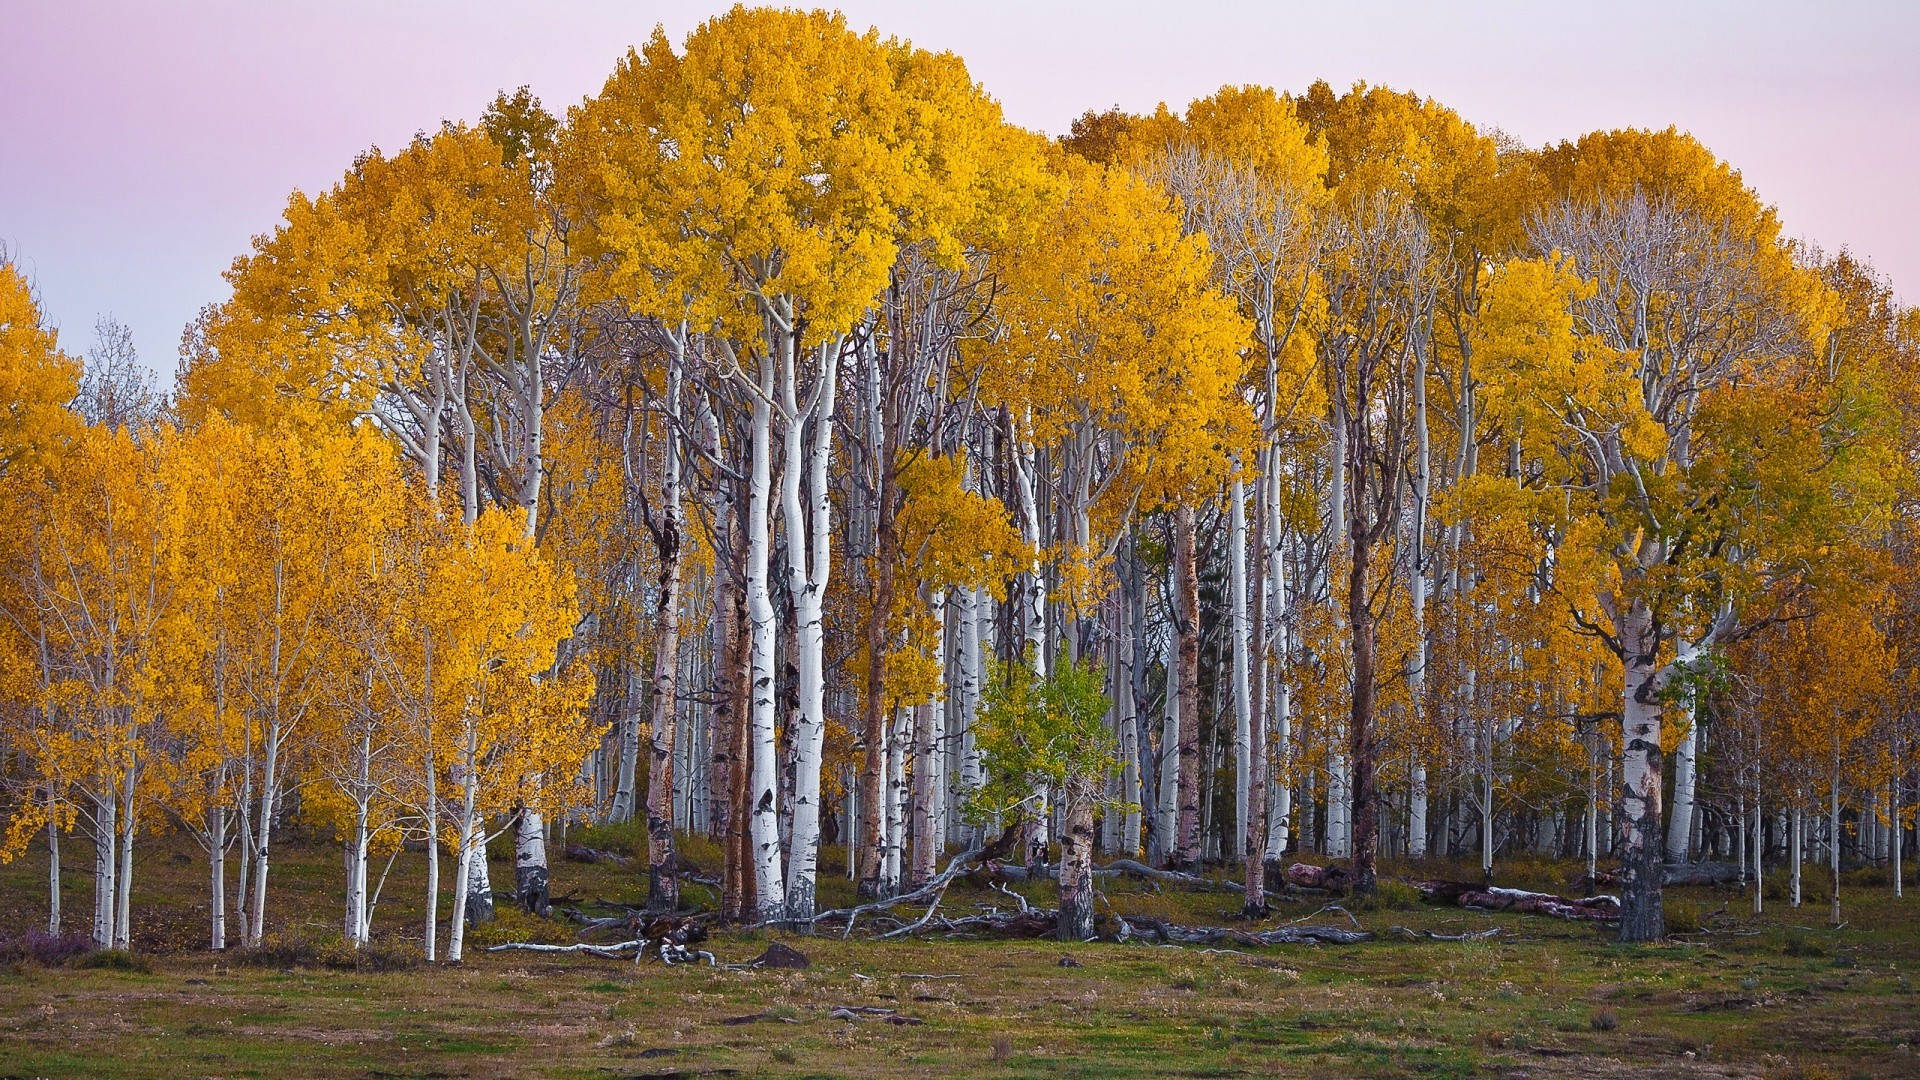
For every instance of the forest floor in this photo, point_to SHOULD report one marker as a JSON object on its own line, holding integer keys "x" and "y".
{"x": 1780, "y": 995}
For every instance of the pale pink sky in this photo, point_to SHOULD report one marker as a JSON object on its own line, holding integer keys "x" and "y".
{"x": 142, "y": 143}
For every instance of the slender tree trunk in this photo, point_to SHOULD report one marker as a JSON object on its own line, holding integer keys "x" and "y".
{"x": 105, "y": 832}
{"x": 1593, "y": 815}
{"x": 626, "y": 780}
{"x": 1680, "y": 819}
{"x": 1280, "y": 814}
{"x": 763, "y": 814}
{"x": 432, "y": 815}
{"x": 809, "y": 565}
{"x": 53, "y": 869}
{"x": 217, "y": 874}
{"x": 472, "y": 849}
{"x": 123, "y": 879}
{"x": 899, "y": 746}
{"x": 873, "y": 774}
{"x": 968, "y": 667}
{"x": 1242, "y": 670}
{"x": 1254, "y": 837}
{"x": 1033, "y": 590}
{"x": 922, "y": 848}
{"x": 1417, "y": 601}
{"x": 1186, "y": 848}
{"x": 1793, "y": 854}
{"x": 663, "y": 880}
{"x": 1128, "y": 713}
{"x": 729, "y": 722}
{"x": 263, "y": 833}
{"x": 1833, "y": 841}
{"x": 355, "y": 916}
{"x": 1365, "y": 796}
{"x": 1894, "y": 842}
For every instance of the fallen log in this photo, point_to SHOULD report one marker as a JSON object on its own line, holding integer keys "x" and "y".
{"x": 1333, "y": 879}
{"x": 582, "y": 854}
{"x": 1597, "y": 908}
{"x": 1697, "y": 873}
{"x": 1446, "y": 892}
{"x": 1315, "y": 934}
{"x": 1494, "y": 898}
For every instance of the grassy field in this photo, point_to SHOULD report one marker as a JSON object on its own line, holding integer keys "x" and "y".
{"x": 1779, "y": 996}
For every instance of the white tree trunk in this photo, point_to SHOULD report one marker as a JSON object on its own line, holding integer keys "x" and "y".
{"x": 627, "y": 776}
{"x": 356, "y": 917}
{"x": 1793, "y": 855}
{"x": 1898, "y": 834}
{"x": 899, "y": 745}
{"x": 1833, "y": 841}
{"x": 263, "y": 835}
{"x": 53, "y": 872}
{"x": 123, "y": 878}
{"x": 105, "y": 893}
{"x": 1033, "y": 594}
{"x": 1168, "y": 808}
{"x": 1339, "y": 803}
{"x": 1642, "y": 918}
{"x": 1128, "y": 712}
{"x": 1242, "y": 665}
{"x": 432, "y": 929}
{"x": 809, "y": 564}
{"x": 763, "y": 820}
{"x": 530, "y": 857}
{"x": 1680, "y": 818}
{"x": 967, "y": 669}
{"x": 462, "y": 891}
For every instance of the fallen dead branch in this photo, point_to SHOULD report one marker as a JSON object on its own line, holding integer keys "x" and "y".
{"x": 1317, "y": 934}
{"x": 609, "y": 952}
{"x": 996, "y": 871}
{"x": 933, "y": 889}
{"x": 1494, "y": 898}
{"x": 1469, "y": 935}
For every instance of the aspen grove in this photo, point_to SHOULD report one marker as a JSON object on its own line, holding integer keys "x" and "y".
{"x": 780, "y": 447}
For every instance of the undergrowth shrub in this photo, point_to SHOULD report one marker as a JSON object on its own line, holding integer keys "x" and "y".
{"x": 1388, "y": 895}
{"x": 512, "y": 923}
{"x": 112, "y": 960}
{"x": 1684, "y": 916}
{"x": 1798, "y": 944}
{"x": 329, "y": 951}
{"x": 47, "y": 950}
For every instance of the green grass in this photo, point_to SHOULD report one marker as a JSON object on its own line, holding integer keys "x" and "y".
{"x": 1782, "y": 995}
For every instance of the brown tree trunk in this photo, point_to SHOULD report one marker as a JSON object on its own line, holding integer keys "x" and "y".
{"x": 1186, "y": 847}
{"x": 926, "y": 773}
{"x": 1365, "y": 791}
